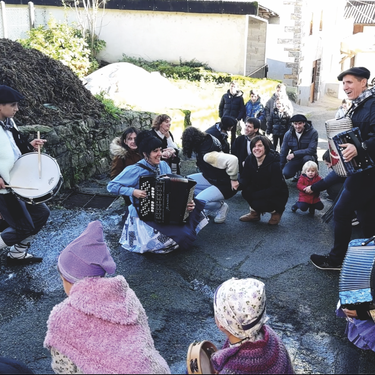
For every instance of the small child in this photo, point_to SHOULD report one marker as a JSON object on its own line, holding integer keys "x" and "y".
{"x": 101, "y": 328}
{"x": 308, "y": 200}
{"x": 252, "y": 346}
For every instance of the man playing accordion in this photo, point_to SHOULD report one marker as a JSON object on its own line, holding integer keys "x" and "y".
{"x": 359, "y": 189}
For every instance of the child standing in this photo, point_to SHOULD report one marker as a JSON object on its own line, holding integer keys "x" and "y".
{"x": 279, "y": 123}
{"x": 252, "y": 346}
{"x": 308, "y": 200}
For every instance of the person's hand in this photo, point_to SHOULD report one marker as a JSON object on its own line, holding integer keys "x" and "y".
{"x": 308, "y": 190}
{"x": 290, "y": 157}
{"x": 349, "y": 152}
{"x": 139, "y": 193}
{"x": 168, "y": 153}
{"x": 2, "y": 183}
{"x": 234, "y": 184}
{"x": 350, "y": 313}
{"x": 190, "y": 206}
{"x": 38, "y": 142}
{"x": 165, "y": 132}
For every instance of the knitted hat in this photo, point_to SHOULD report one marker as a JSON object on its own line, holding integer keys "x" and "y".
{"x": 240, "y": 307}
{"x": 86, "y": 256}
{"x": 298, "y": 118}
{"x": 355, "y": 71}
{"x": 9, "y": 95}
{"x": 228, "y": 122}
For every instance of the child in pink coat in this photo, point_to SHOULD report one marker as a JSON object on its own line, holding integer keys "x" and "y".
{"x": 101, "y": 328}
{"x": 308, "y": 200}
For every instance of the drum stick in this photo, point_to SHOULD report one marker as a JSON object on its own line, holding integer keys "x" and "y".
{"x": 39, "y": 159}
{"x": 20, "y": 187}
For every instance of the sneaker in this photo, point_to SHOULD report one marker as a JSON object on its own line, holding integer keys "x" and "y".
{"x": 324, "y": 263}
{"x": 18, "y": 255}
{"x": 27, "y": 259}
{"x": 222, "y": 214}
{"x": 296, "y": 177}
{"x": 294, "y": 208}
{"x": 355, "y": 222}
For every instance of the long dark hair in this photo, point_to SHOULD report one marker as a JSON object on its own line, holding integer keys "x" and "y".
{"x": 192, "y": 138}
{"x": 126, "y": 132}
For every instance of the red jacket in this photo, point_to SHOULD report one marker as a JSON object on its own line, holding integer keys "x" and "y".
{"x": 303, "y": 182}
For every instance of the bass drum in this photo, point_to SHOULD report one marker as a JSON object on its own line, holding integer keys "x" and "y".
{"x": 25, "y": 173}
{"x": 198, "y": 357}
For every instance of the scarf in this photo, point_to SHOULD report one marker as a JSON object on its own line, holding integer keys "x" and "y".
{"x": 361, "y": 98}
{"x": 7, "y": 125}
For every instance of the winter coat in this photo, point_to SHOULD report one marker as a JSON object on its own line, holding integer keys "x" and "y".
{"x": 215, "y": 176}
{"x": 223, "y": 138}
{"x": 266, "y": 356}
{"x": 279, "y": 123}
{"x": 122, "y": 157}
{"x": 302, "y": 183}
{"x": 266, "y": 180}
{"x": 255, "y": 110}
{"x": 232, "y": 105}
{"x": 270, "y": 106}
{"x": 306, "y": 145}
{"x": 102, "y": 327}
{"x": 7, "y": 158}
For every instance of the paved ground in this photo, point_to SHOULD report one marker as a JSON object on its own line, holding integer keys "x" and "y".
{"x": 176, "y": 289}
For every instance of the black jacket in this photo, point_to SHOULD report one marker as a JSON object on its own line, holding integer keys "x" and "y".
{"x": 266, "y": 180}
{"x": 223, "y": 138}
{"x": 279, "y": 123}
{"x": 232, "y": 105}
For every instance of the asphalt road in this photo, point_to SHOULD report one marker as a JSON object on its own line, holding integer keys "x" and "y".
{"x": 176, "y": 289}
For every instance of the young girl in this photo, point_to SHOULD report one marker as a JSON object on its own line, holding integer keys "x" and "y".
{"x": 279, "y": 123}
{"x": 101, "y": 328}
{"x": 252, "y": 346}
{"x": 307, "y": 198}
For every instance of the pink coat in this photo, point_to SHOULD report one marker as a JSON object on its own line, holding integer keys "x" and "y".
{"x": 102, "y": 327}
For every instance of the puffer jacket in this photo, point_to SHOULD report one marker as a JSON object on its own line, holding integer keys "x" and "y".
{"x": 302, "y": 183}
{"x": 306, "y": 145}
{"x": 279, "y": 123}
{"x": 232, "y": 105}
{"x": 270, "y": 105}
{"x": 255, "y": 110}
{"x": 121, "y": 157}
{"x": 265, "y": 180}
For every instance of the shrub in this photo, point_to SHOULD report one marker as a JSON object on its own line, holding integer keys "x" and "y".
{"x": 64, "y": 43}
{"x": 109, "y": 105}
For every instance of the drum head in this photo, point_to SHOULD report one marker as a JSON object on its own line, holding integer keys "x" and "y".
{"x": 198, "y": 357}
{"x": 25, "y": 173}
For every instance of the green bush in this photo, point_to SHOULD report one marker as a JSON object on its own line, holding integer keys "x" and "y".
{"x": 64, "y": 43}
{"x": 109, "y": 105}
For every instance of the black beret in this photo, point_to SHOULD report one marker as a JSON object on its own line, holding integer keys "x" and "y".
{"x": 298, "y": 118}
{"x": 355, "y": 71}
{"x": 228, "y": 122}
{"x": 9, "y": 95}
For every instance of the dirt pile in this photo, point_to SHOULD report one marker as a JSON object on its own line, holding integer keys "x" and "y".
{"x": 52, "y": 91}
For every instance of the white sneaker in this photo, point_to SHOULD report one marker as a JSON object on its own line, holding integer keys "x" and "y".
{"x": 221, "y": 214}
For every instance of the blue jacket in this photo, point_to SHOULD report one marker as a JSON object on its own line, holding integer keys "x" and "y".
{"x": 255, "y": 110}
{"x": 306, "y": 145}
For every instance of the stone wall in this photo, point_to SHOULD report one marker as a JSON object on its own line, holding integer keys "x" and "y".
{"x": 81, "y": 147}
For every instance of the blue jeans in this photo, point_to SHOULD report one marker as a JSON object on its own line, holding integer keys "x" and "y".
{"x": 208, "y": 193}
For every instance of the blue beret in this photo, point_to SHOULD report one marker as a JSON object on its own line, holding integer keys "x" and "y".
{"x": 355, "y": 71}
{"x": 9, "y": 95}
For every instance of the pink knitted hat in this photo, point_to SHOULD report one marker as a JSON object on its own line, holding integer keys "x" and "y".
{"x": 86, "y": 256}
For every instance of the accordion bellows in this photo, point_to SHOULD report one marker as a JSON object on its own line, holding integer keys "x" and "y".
{"x": 357, "y": 276}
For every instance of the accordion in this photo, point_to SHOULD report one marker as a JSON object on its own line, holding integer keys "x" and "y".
{"x": 357, "y": 277}
{"x": 167, "y": 197}
{"x": 341, "y": 131}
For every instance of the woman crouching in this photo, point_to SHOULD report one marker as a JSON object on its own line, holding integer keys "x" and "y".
{"x": 263, "y": 184}
{"x": 140, "y": 236}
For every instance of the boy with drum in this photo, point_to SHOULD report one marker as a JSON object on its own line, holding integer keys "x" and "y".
{"x": 24, "y": 220}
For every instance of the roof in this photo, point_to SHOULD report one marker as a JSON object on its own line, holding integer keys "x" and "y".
{"x": 363, "y": 12}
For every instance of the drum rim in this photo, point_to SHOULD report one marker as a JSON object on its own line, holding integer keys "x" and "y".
{"x": 194, "y": 350}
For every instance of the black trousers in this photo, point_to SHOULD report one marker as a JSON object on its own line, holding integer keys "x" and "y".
{"x": 23, "y": 219}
